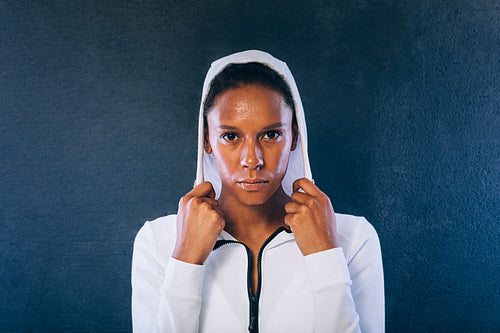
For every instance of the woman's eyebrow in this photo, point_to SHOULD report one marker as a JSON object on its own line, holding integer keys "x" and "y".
{"x": 275, "y": 125}
{"x": 233, "y": 128}
{"x": 227, "y": 127}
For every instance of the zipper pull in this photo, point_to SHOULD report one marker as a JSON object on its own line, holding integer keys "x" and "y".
{"x": 254, "y": 312}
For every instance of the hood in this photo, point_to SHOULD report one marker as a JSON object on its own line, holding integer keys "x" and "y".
{"x": 298, "y": 165}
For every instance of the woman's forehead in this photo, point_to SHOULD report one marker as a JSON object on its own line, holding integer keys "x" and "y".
{"x": 250, "y": 104}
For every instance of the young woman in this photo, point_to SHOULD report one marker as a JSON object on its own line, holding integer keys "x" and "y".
{"x": 256, "y": 245}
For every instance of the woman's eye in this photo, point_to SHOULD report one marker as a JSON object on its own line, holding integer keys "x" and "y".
{"x": 271, "y": 135}
{"x": 230, "y": 136}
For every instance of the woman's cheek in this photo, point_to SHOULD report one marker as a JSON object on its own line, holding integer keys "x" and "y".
{"x": 225, "y": 162}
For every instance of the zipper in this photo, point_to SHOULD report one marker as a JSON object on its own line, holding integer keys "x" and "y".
{"x": 253, "y": 325}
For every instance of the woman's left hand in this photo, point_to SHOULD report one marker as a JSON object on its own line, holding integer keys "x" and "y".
{"x": 311, "y": 218}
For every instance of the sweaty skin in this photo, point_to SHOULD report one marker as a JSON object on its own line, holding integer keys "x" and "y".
{"x": 250, "y": 134}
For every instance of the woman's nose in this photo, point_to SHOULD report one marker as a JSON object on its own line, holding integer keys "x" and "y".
{"x": 251, "y": 155}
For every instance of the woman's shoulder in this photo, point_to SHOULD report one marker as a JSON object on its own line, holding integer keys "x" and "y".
{"x": 354, "y": 233}
{"x": 158, "y": 235}
{"x": 351, "y": 225}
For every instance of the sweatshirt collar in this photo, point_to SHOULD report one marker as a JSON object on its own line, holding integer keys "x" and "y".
{"x": 282, "y": 237}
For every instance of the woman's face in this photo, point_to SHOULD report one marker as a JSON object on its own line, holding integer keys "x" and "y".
{"x": 250, "y": 134}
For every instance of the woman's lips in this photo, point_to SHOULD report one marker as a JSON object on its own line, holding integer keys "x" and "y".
{"x": 252, "y": 184}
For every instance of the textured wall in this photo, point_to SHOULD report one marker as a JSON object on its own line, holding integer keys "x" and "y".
{"x": 98, "y": 106}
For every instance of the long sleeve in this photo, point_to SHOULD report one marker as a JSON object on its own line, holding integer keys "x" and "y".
{"x": 349, "y": 296}
{"x": 166, "y": 296}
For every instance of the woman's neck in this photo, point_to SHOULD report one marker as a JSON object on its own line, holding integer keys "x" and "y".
{"x": 253, "y": 223}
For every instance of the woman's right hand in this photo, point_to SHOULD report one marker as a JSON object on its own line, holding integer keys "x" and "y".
{"x": 199, "y": 223}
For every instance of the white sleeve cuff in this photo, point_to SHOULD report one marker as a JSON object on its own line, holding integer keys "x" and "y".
{"x": 184, "y": 279}
{"x": 327, "y": 268}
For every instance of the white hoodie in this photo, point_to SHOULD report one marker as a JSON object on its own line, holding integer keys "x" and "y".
{"x": 338, "y": 290}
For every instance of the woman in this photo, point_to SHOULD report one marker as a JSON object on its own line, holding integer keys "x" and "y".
{"x": 256, "y": 245}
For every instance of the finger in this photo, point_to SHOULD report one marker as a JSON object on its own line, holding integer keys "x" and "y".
{"x": 290, "y": 220}
{"x": 205, "y": 189}
{"x": 212, "y": 202}
{"x": 287, "y": 221}
{"x": 302, "y": 198}
{"x": 292, "y": 207}
{"x": 307, "y": 186}
{"x": 219, "y": 211}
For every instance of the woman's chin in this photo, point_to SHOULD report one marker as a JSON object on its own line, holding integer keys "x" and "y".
{"x": 253, "y": 198}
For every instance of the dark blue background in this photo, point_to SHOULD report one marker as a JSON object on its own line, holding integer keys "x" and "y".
{"x": 98, "y": 106}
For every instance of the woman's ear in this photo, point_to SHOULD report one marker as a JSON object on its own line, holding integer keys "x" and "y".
{"x": 206, "y": 143}
{"x": 295, "y": 132}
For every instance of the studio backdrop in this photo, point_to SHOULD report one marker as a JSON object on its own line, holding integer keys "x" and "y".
{"x": 98, "y": 114}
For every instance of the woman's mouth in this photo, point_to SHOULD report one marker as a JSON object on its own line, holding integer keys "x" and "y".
{"x": 252, "y": 184}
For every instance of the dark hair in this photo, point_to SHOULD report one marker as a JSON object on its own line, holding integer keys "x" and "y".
{"x": 252, "y": 73}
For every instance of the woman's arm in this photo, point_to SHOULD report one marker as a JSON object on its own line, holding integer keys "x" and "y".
{"x": 166, "y": 297}
{"x": 349, "y": 297}
{"x": 166, "y": 291}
